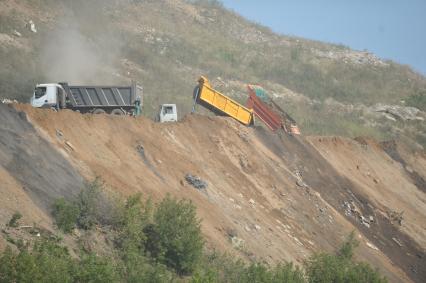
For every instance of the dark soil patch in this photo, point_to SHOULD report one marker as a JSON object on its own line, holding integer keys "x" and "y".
{"x": 319, "y": 174}
{"x": 391, "y": 148}
{"x": 44, "y": 173}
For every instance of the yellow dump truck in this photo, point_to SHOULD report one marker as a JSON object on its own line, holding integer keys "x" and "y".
{"x": 205, "y": 95}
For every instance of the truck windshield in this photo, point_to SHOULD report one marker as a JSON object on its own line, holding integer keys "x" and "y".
{"x": 168, "y": 110}
{"x": 39, "y": 92}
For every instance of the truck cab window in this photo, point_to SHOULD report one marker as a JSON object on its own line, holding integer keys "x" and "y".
{"x": 168, "y": 110}
{"x": 39, "y": 92}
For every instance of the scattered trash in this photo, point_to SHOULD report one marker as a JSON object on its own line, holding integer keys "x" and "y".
{"x": 348, "y": 208}
{"x": 299, "y": 180}
{"x": 352, "y": 210}
{"x": 141, "y": 150}
{"x": 397, "y": 217}
{"x": 297, "y": 241}
{"x": 17, "y": 33}
{"x": 25, "y": 227}
{"x": 244, "y": 163}
{"x": 365, "y": 222}
{"x": 397, "y": 241}
{"x": 31, "y": 26}
{"x": 8, "y": 101}
{"x": 237, "y": 243}
{"x": 69, "y": 145}
{"x": 59, "y": 135}
{"x": 196, "y": 182}
{"x": 252, "y": 202}
{"x": 371, "y": 246}
{"x": 300, "y": 183}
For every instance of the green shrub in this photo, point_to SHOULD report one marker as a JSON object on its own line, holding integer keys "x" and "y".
{"x": 65, "y": 214}
{"x": 96, "y": 269}
{"x": 178, "y": 231}
{"x": 215, "y": 267}
{"x": 282, "y": 273}
{"x": 26, "y": 268}
{"x": 323, "y": 267}
{"x": 49, "y": 262}
{"x": 13, "y": 222}
{"x": 91, "y": 207}
{"x": 134, "y": 217}
{"x": 87, "y": 204}
{"x": 222, "y": 268}
{"x": 8, "y": 266}
{"x": 288, "y": 273}
{"x": 138, "y": 268}
{"x": 346, "y": 250}
{"x": 54, "y": 263}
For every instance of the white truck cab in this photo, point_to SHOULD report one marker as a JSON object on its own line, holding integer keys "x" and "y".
{"x": 46, "y": 95}
{"x": 168, "y": 113}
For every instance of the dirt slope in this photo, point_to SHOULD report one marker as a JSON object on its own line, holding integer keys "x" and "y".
{"x": 32, "y": 171}
{"x": 269, "y": 197}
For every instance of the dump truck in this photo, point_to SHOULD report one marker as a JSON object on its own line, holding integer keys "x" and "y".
{"x": 257, "y": 105}
{"x": 271, "y": 114}
{"x": 116, "y": 100}
{"x": 221, "y": 104}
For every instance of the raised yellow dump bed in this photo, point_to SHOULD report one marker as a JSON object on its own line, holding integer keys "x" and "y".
{"x": 223, "y": 103}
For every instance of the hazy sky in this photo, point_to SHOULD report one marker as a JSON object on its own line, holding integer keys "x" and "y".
{"x": 392, "y": 29}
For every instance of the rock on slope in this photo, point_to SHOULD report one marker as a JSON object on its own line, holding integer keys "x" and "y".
{"x": 268, "y": 197}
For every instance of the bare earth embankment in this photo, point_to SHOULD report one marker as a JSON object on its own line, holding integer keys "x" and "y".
{"x": 270, "y": 197}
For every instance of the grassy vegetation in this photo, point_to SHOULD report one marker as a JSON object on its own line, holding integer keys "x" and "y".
{"x": 418, "y": 100}
{"x": 159, "y": 243}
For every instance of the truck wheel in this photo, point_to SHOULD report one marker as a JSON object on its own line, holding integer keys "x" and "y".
{"x": 98, "y": 111}
{"x": 117, "y": 112}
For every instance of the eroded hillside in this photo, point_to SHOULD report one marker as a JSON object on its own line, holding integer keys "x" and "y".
{"x": 269, "y": 197}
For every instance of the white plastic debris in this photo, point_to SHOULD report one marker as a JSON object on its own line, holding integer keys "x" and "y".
{"x": 371, "y": 246}
{"x": 32, "y": 27}
{"x": 17, "y": 33}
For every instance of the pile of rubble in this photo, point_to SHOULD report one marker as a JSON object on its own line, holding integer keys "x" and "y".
{"x": 394, "y": 112}
{"x": 196, "y": 182}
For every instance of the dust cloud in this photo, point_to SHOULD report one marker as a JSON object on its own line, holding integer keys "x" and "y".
{"x": 81, "y": 49}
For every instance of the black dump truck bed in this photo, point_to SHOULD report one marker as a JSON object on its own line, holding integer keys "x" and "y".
{"x": 100, "y": 96}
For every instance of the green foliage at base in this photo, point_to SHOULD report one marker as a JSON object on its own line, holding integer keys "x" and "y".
{"x": 176, "y": 235}
{"x": 159, "y": 243}
{"x": 65, "y": 214}
{"x": 340, "y": 267}
{"x": 49, "y": 262}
